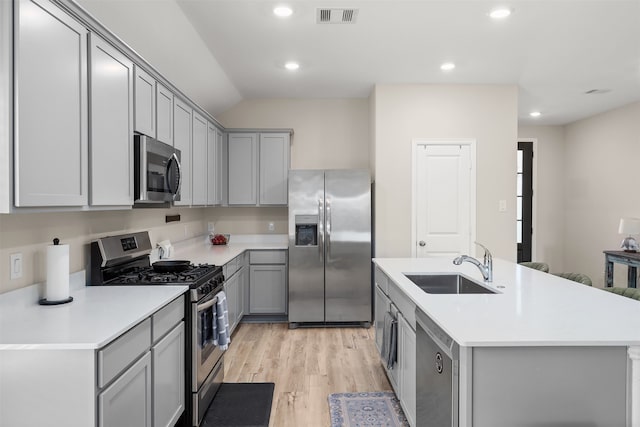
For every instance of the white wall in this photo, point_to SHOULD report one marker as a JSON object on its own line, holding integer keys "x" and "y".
{"x": 31, "y": 233}
{"x": 328, "y": 133}
{"x": 486, "y": 113}
{"x": 160, "y": 32}
{"x": 548, "y": 193}
{"x": 248, "y": 220}
{"x": 602, "y": 156}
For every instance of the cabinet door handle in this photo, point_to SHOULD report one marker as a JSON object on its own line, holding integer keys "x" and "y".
{"x": 422, "y": 243}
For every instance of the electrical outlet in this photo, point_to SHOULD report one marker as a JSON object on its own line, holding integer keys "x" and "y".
{"x": 502, "y": 206}
{"x": 210, "y": 227}
{"x": 16, "y": 266}
{"x": 271, "y": 227}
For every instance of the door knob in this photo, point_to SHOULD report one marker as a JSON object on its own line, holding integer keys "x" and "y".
{"x": 421, "y": 243}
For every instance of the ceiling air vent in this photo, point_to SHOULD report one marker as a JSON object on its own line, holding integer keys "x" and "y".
{"x": 336, "y": 16}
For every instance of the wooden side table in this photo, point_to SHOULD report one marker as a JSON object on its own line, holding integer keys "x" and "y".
{"x": 630, "y": 259}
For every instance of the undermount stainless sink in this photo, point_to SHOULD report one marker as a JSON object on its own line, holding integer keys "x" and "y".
{"x": 448, "y": 284}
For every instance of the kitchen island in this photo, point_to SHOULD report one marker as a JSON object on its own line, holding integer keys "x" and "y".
{"x": 541, "y": 350}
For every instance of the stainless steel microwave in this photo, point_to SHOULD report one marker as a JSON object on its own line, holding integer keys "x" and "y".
{"x": 157, "y": 171}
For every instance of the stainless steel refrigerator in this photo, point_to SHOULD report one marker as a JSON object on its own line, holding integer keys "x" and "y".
{"x": 329, "y": 246}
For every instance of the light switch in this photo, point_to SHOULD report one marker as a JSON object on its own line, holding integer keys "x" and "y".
{"x": 16, "y": 266}
{"x": 502, "y": 206}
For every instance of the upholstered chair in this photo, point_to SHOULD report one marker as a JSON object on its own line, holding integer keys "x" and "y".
{"x": 542, "y": 266}
{"x": 576, "y": 277}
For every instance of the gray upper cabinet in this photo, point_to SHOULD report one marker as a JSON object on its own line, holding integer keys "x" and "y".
{"x": 274, "y": 168}
{"x": 164, "y": 114}
{"x": 222, "y": 153}
{"x": 243, "y": 168}
{"x": 182, "y": 141}
{"x": 216, "y": 166}
{"x": 145, "y": 103}
{"x": 258, "y": 168}
{"x": 212, "y": 154}
{"x": 50, "y": 140}
{"x": 111, "y": 139}
{"x": 199, "y": 160}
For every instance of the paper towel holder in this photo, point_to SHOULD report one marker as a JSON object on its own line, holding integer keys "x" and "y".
{"x": 44, "y": 301}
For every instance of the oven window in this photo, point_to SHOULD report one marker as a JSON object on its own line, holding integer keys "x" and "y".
{"x": 205, "y": 333}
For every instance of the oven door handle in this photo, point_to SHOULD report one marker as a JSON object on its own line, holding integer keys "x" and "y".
{"x": 204, "y": 306}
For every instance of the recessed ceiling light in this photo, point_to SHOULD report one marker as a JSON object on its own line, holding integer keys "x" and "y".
{"x": 291, "y": 66}
{"x": 282, "y": 11}
{"x": 447, "y": 66}
{"x": 535, "y": 114}
{"x": 500, "y": 13}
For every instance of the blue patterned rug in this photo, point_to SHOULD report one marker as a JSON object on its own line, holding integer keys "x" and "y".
{"x": 375, "y": 409}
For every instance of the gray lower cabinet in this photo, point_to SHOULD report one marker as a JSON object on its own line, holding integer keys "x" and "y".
{"x": 231, "y": 291}
{"x": 407, "y": 368}
{"x": 127, "y": 402}
{"x": 402, "y": 375}
{"x": 111, "y": 138}
{"x": 168, "y": 382}
{"x": 382, "y": 305}
{"x": 268, "y": 282}
{"x": 267, "y": 289}
{"x": 51, "y": 138}
{"x": 235, "y": 289}
{"x": 140, "y": 375}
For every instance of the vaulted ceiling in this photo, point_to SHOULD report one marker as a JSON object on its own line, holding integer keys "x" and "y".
{"x": 555, "y": 51}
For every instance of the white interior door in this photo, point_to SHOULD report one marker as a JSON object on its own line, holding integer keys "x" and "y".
{"x": 443, "y": 198}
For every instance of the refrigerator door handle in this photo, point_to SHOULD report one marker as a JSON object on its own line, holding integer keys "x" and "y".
{"x": 328, "y": 232}
{"x": 320, "y": 229}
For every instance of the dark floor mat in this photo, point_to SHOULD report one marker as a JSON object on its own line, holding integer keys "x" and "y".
{"x": 240, "y": 405}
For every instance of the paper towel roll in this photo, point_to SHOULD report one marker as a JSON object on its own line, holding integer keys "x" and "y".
{"x": 57, "y": 288}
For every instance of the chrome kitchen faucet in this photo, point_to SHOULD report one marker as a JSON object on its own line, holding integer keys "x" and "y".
{"x": 486, "y": 269}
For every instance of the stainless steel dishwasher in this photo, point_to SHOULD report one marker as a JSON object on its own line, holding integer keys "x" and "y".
{"x": 437, "y": 367}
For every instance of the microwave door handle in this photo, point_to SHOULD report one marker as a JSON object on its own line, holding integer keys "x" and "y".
{"x": 177, "y": 178}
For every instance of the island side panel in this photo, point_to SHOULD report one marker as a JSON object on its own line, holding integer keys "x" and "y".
{"x": 634, "y": 385}
{"x": 550, "y": 386}
{"x": 47, "y": 388}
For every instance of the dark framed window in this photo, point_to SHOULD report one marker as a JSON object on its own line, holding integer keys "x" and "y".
{"x": 524, "y": 205}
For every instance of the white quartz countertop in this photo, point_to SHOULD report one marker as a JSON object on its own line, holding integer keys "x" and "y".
{"x": 200, "y": 250}
{"x": 531, "y": 308}
{"x": 96, "y": 316}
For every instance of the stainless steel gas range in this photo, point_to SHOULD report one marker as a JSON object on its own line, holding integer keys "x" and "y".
{"x": 124, "y": 261}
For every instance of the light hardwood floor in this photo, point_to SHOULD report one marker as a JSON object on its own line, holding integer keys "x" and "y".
{"x": 306, "y": 365}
